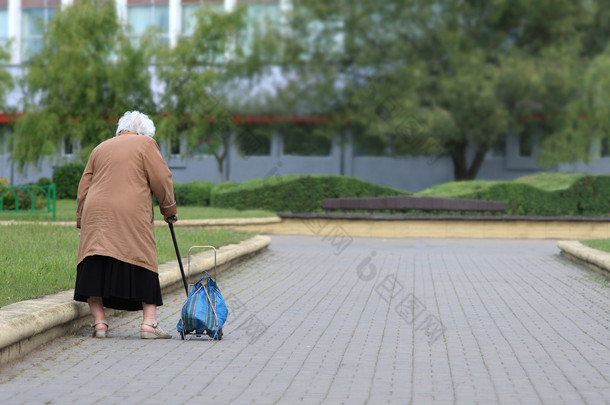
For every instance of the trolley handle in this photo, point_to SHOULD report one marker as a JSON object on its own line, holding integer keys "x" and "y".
{"x": 189, "y": 260}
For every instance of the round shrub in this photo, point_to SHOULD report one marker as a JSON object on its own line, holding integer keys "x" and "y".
{"x": 587, "y": 196}
{"x": 66, "y": 179}
{"x": 44, "y": 181}
{"x": 219, "y": 189}
{"x": 296, "y": 193}
{"x": 196, "y": 193}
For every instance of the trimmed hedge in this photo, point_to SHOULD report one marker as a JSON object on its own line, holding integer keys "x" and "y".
{"x": 196, "y": 193}
{"x": 295, "y": 193}
{"x": 66, "y": 179}
{"x": 587, "y": 196}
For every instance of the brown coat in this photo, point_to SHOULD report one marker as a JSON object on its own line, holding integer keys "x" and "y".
{"x": 114, "y": 202}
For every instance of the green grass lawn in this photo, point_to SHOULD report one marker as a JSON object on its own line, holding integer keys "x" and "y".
{"x": 455, "y": 189}
{"x": 66, "y": 211}
{"x": 599, "y": 244}
{"x": 551, "y": 181}
{"x": 37, "y": 260}
{"x": 543, "y": 181}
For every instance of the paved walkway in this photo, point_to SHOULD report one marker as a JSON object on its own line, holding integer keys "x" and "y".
{"x": 339, "y": 320}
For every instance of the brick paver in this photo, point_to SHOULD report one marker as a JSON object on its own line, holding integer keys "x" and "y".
{"x": 332, "y": 319}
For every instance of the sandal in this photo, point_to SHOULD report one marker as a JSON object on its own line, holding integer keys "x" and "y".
{"x": 99, "y": 333}
{"x": 157, "y": 334}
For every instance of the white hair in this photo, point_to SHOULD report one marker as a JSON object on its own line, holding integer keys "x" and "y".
{"x": 136, "y": 122}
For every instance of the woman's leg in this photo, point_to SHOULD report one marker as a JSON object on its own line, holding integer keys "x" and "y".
{"x": 97, "y": 310}
{"x": 149, "y": 314}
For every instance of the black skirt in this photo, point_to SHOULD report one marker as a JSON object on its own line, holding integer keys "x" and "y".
{"x": 121, "y": 285}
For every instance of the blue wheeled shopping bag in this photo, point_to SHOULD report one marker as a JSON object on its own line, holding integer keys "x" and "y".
{"x": 204, "y": 311}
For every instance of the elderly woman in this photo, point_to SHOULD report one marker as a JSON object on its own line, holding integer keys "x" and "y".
{"x": 117, "y": 258}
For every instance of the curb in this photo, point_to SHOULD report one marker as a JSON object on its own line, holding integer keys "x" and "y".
{"x": 589, "y": 257}
{"x": 28, "y": 324}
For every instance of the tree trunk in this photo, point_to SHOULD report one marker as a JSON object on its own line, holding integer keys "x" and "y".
{"x": 220, "y": 158}
{"x": 461, "y": 169}
{"x": 458, "y": 157}
{"x": 220, "y": 163}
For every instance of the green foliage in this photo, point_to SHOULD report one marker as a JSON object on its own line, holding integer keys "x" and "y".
{"x": 66, "y": 211}
{"x": 544, "y": 195}
{"x": 455, "y": 189}
{"x": 196, "y": 193}
{"x": 599, "y": 244}
{"x": 44, "y": 181}
{"x": 66, "y": 179}
{"x": 220, "y": 189}
{"x": 6, "y": 79}
{"x": 522, "y": 199}
{"x": 446, "y": 77}
{"x": 198, "y": 73}
{"x": 19, "y": 197}
{"x": 409, "y": 77}
{"x": 28, "y": 197}
{"x": 85, "y": 77}
{"x": 224, "y": 186}
{"x": 307, "y": 140}
{"x": 296, "y": 193}
{"x": 551, "y": 181}
{"x": 542, "y": 181}
{"x": 253, "y": 139}
{"x": 37, "y": 260}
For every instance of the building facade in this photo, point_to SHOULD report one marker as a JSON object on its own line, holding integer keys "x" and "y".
{"x": 21, "y": 32}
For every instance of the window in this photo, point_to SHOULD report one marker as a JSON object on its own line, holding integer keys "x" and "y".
{"x": 321, "y": 35}
{"x": 143, "y": 14}
{"x": 259, "y": 17}
{"x": 253, "y": 139}
{"x": 306, "y": 140}
{"x": 189, "y": 8}
{"x": 4, "y": 133}
{"x": 325, "y": 37}
{"x": 68, "y": 147}
{"x": 370, "y": 146}
{"x": 498, "y": 149}
{"x": 605, "y": 147}
{"x": 174, "y": 146}
{"x": 526, "y": 145}
{"x": 35, "y": 16}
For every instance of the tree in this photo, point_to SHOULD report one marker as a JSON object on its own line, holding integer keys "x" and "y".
{"x": 496, "y": 68}
{"x": 203, "y": 75}
{"x": 6, "y": 79}
{"x": 444, "y": 77}
{"x": 85, "y": 77}
{"x": 6, "y": 84}
{"x": 586, "y": 120}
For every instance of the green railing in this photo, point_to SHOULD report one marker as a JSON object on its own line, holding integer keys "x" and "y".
{"x": 28, "y": 199}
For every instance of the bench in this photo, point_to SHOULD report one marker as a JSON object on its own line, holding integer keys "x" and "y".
{"x": 407, "y": 203}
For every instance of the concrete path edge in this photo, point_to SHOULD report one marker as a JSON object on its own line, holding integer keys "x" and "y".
{"x": 589, "y": 257}
{"x": 26, "y": 325}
